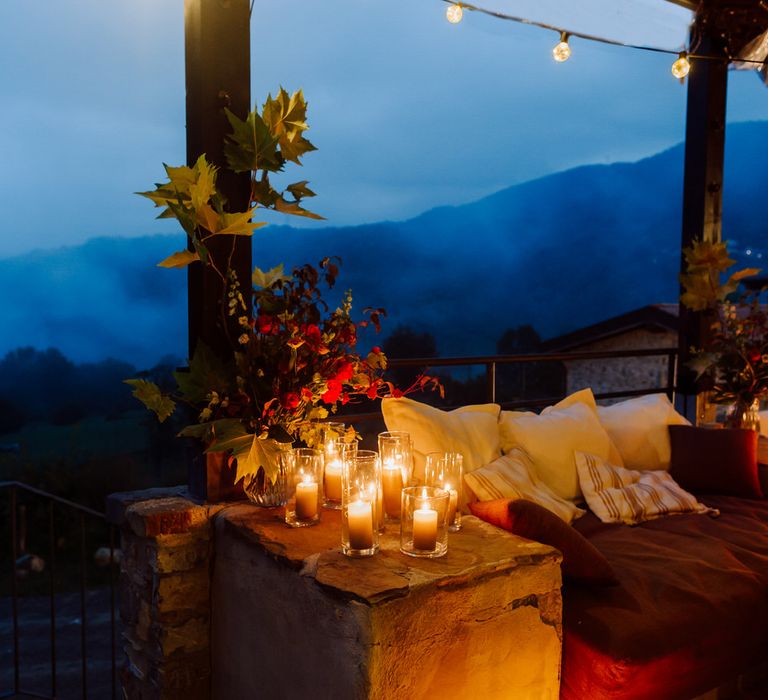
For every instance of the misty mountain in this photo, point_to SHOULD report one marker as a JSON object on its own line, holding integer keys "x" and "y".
{"x": 558, "y": 253}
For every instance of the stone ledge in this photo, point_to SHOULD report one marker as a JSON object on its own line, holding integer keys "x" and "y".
{"x": 477, "y": 551}
{"x": 118, "y": 503}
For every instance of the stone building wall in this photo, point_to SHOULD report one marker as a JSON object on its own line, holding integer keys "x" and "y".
{"x": 622, "y": 374}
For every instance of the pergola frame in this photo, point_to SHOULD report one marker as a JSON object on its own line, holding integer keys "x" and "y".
{"x": 217, "y": 40}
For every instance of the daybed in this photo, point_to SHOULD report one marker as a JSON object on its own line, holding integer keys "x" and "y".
{"x": 688, "y": 609}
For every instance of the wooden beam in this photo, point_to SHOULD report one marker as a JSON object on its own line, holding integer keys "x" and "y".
{"x": 704, "y": 161}
{"x": 218, "y": 75}
{"x": 217, "y": 49}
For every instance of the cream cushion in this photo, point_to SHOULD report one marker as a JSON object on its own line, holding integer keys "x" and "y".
{"x": 551, "y": 440}
{"x": 584, "y": 396}
{"x": 618, "y": 495}
{"x": 512, "y": 476}
{"x": 471, "y": 430}
{"x": 639, "y": 428}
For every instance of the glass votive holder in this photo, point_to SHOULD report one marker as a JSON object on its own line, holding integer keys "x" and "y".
{"x": 445, "y": 470}
{"x": 423, "y": 528}
{"x": 396, "y": 456}
{"x": 360, "y": 495}
{"x": 302, "y": 487}
{"x": 333, "y": 460}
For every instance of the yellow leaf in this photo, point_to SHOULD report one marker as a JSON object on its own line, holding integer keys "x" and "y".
{"x": 180, "y": 259}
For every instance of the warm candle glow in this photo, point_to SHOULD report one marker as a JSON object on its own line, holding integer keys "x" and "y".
{"x": 424, "y": 527}
{"x": 332, "y": 482}
{"x": 453, "y": 504}
{"x": 306, "y": 499}
{"x": 360, "y": 521}
{"x": 392, "y": 486}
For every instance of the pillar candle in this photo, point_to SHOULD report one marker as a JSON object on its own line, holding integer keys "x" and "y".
{"x": 424, "y": 528}
{"x": 306, "y": 500}
{"x": 360, "y": 520}
{"x": 453, "y": 503}
{"x": 392, "y": 485}
{"x": 333, "y": 480}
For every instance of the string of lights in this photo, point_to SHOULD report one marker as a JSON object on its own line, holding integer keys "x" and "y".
{"x": 562, "y": 51}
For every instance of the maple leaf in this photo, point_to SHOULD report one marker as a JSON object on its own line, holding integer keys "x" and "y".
{"x": 267, "y": 279}
{"x": 286, "y": 118}
{"x": 150, "y": 395}
{"x": 251, "y": 145}
{"x": 180, "y": 259}
{"x": 206, "y": 373}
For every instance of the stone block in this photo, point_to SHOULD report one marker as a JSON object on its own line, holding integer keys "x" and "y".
{"x": 165, "y": 516}
{"x": 175, "y": 553}
{"x": 188, "y": 590}
{"x": 483, "y": 621}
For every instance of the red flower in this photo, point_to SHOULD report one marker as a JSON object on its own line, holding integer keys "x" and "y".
{"x": 306, "y": 394}
{"x": 333, "y": 391}
{"x": 372, "y": 392}
{"x": 266, "y": 325}
{"x": 376, "y": 350}
{"x": 311, "y": 334}
{"x": 345, "y": 371}
{"x": 754, "y": 356}
{"x": 290, "y": 400}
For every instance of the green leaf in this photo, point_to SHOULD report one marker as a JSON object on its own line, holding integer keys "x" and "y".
{"x": 300, "y": 189}
{"x": 264, "y": 194}
{"x": 206, "y": 373}
{"x": 251, "y": 146}
{"x": 293, "y": 149}
{"x": 295, "y": 209}
{"x": 180, "y": 259}
{"x": 267, "y": 279}
{"x": 150, "y": 395}
{"x": 211, "y": 431}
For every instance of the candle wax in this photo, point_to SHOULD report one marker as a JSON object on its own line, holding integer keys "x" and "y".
{"x": 306, "y": 500}
{"x": 424, "y": 528}
{"x": 333, "y": 480}
{"x": 392, "y": 485}
{"x": 360, "y": 520}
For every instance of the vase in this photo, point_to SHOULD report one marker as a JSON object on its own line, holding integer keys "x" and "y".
{"x": 260, "y": 490}
{"x": 744, "y": 415}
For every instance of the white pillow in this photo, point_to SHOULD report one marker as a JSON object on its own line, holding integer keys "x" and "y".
{"x": 512, "y": 476}
{"x": 471, "y": 430}
{"x": 617, "y": 495}
{"x": 551, "y": 440}
{"x": 639, "y": 429}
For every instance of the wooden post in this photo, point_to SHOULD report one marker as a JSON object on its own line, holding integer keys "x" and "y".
{"x": 217, "y": 52}
{"x": 703, "y": 180}
{"x": 217, "y": 48}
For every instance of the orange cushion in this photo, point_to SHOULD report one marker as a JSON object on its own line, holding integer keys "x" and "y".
{"x": 582, "y": 562}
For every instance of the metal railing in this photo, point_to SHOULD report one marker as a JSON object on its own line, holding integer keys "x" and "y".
{"x": 491, "y": 363}
{"x": 82, "y": 515}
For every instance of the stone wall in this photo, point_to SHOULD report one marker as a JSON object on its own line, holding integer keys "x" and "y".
{"x": 165, "y": 579}
{"x": 621, "y": 374}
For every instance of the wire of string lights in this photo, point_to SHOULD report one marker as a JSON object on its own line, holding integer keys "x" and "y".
{"x": 562, "y": 51}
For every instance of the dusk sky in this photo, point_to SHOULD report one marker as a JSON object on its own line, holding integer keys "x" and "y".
{"x": 408, "y": 111}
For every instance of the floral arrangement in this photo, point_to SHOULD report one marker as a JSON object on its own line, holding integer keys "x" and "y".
{"x": 733, "y": 363}
{"x": 292, "y": 360}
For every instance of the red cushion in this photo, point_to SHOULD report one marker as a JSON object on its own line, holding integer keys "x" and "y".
{"x": 582, "y": 562}
{"x": 715, "y": 461}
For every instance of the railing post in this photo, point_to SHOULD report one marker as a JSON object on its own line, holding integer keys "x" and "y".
{"x": 490, "y": 382}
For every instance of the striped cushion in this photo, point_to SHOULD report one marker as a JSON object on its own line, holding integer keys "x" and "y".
{"x": 512, "y": 477}
{"x": 618, "y": 495}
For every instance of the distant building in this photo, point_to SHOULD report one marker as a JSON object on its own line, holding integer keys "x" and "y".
{"x": 654, "y": 326}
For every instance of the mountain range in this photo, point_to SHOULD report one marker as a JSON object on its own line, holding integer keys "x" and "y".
{"x": 559, "y": 252}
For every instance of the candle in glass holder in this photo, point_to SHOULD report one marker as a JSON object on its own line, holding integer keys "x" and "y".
{"x": 333, "y": 480}
{"x": 453, "y": 504}
{"x": 392, "y": 486}
{"x": 424, "y": 527}
{"x": 306, "y": 499}
{"x": 360, "y": 517}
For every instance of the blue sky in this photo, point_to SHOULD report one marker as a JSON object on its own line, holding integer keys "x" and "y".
{"x": 408, "y": 111}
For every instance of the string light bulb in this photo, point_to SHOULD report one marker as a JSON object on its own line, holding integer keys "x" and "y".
{"x": 562, "y": 52}
{"x": 682, "y": 66}
{"x": 454, "y": 13}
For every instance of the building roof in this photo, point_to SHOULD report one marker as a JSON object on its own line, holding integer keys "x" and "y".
{"x": 655, "y": 317}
